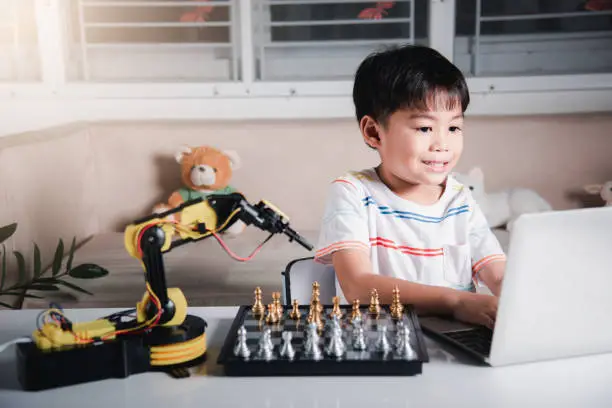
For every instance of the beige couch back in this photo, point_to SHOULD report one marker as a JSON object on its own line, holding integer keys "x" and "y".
{"x": 85, "y": 179}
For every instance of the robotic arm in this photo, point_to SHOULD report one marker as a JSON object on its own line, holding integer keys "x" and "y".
{"x": 162, "y": 336}
{"x": 147, "y": 239}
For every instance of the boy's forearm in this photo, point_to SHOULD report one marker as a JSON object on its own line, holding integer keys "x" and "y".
{"x": 354, "y": 272}
{"x": 492, "y": 276}
{"x": 425, "y": 298}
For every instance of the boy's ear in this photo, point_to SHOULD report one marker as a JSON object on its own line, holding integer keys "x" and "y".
{"x": 370, "y": 131}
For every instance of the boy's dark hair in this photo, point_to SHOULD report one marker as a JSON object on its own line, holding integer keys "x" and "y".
{"x": 406, "y": 77}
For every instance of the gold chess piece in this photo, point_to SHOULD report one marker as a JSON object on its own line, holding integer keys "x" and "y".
{"x": 272, "y": 316}
{"x": 295, "y": 312}
{"x": 316, "y": 296}
{"x": 336, "y": 311}
{"x": 278, "y": 307}
{"x": 356, "y": 313}
{"x": 397, "y": 309}
{"x": 374, "y": 303}
{"x": 258, "y": 307}
{"x": 314, "y": 315}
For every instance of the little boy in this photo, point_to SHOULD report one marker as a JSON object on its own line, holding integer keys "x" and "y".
{"x": 408, "y": 222}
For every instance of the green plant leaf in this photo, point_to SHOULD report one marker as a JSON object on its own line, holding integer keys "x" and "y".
{"x": 3, "y": 277}
{"x": 43, "y": 286}
{"x": 21, "y": 267}
{"x": 88, "y": 271}
{"x": 73, "y": 286}
{"x": 57, "y": 260}
{"x": 7, "y": 305}
{"x": 37, "y": 262}
{"x": 7, "y": 231}
{"x": 71, "y": 255}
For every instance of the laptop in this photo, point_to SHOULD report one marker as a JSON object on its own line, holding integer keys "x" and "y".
{"x": 556, "y": 296}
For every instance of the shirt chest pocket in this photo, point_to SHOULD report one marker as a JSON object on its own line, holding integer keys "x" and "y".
{"x": 457, "y": 266}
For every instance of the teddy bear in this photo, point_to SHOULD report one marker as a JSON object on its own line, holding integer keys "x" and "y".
{"x": 501, "y": 208}
{"x": 604, "y": 190}
{"x": 205, "y": 170}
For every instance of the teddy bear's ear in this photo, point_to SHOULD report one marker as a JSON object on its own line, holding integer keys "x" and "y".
{"x": 476, "y": 173}
{"x": 234, "y": 158}
{"x": 184, "y": 150}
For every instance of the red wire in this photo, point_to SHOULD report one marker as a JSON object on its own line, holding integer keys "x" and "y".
{"x": 233, "y": 255}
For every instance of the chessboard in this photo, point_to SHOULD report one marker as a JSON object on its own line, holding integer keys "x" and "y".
{"x": 339, "y": 340}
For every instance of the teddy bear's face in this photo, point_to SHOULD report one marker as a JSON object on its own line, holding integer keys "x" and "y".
{"x": 474, "y": 180}
{"x": 205, "y": 168}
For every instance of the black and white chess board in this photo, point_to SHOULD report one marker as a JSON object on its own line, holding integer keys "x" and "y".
{"x": 391, "y": 355}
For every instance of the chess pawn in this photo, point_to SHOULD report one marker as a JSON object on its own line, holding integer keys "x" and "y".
{"x": 374, "y": 303}
{"x": 359, "y": 340}
{"x": 397, "y": 309}
{"x": 336, "y": 311}
{"x": 258, "y": 307}
{"x": 278, "y": 308}
{"x": 382, "y": 342}
{"x": 272, "y": 316}
{"x": 403, "y": 347}
{"x": 295, "y": 312}
{"x": 287, "y": 350}
{"x": 356, "y": 313}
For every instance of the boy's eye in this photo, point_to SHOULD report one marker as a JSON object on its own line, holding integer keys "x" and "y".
{"x": 424, "y": 129}
{"x": 454, "y": 129}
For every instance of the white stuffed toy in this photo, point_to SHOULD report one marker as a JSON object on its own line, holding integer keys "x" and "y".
{"x": 604, "y": 190}
{"x": 502, "y": 208}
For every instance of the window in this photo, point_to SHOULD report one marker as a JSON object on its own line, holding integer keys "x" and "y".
{"x": 326, "y": 39}
{"x": 257, "y": 59}
{"x": 517, "y": 38}
{"x": 152, "y": 40}
{"x": 19, "y": 60}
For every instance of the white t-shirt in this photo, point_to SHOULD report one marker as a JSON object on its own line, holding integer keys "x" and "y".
{"x": 444, "y": 244}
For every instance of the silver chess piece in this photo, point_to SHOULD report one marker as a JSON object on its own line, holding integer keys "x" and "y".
{"x": 287, "y": 350}
{"x": 336, "y": 346}
{"x": 312, "y": 348}
{"x": 241, "y": 349}
{"x": 359, "y": 340}
{"x": 403, "y": 347}
{"x": 382, "y": 342}
{"x": 265, "y": 348}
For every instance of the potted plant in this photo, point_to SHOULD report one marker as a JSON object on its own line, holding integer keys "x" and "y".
{"x": 48, "y": 279}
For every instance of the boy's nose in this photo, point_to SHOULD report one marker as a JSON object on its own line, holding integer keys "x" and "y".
{"x": 439, "y": 147}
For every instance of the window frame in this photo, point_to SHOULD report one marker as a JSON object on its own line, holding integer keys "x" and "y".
{"x": 253, "y": 99}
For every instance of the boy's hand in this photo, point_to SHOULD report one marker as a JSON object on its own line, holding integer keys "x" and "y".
{"x": 476, "y": 308}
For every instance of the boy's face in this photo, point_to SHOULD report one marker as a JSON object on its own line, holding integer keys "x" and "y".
{"x": 418, "y": 147}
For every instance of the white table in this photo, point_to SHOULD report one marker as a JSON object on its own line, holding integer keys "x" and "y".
{"x": 446, "y": 381}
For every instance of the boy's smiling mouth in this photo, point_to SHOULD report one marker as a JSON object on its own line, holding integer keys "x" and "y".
{"x": 436, "y": 165}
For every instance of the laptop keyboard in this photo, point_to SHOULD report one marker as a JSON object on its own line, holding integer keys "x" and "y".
{"x": 478, "y": 339}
